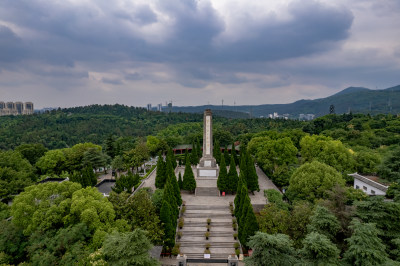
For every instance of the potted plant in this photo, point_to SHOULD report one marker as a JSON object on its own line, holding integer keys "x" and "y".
{"x": 235, "y": 236}
{"x": 208, "y": 221}
{"x": 208, "y": 227}
{"x": 179, "y": 234}
{"x": 234, "y": 220}
{"x": 183, "y": 203}
{"x": 236, "y": 245}
{"x": 183, "y": 209}
{"x": 176, "y": 250}
{"x": 181, "y": 223}
{"x": 207, "y": 235}
{"x": 237, "y": 252}
{"x": 234, "y": 226}
{"x": 231, "y": 203}
{"x": 207, "y": 246}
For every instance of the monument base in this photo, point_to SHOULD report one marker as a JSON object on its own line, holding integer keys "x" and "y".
{"x": 207, "y": 168}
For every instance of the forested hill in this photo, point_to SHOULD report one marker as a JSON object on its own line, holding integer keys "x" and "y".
{"x": 65, "y": 127}
{"x": 354, "y": 99}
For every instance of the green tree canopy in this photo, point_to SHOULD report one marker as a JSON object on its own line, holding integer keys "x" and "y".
{"x": 189, "y": 183}
{"x": 311, "y": 181}
{"x": 319, "y": 250}
{"x": 222, "y": 181}
{"x": 271, "y": 250}
{"x": 31, "y": 152}
{"x": 390, "y": 168}
{"x": 324, "y": 222}
{"x": 132, "y": 248}
{"x": 365, "y": 247}
{"x": 232, "y": 176}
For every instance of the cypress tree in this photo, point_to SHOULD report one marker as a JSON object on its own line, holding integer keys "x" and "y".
{"x": 161, "y": 172}
{"x": 180, "y": 182}
{"x": 193, "y": 154}
{"x": 252, "y": 178}
{"x": 233, "y": 153}
{"x": 232, "y": 176}
{"x": 189, "y": 183}
{"x": 244, "y": 170}
{"x": 250, "y": 226}
{"x": 217, "y": 152}
{"x": 222, "y": 181}
{"x": 242, "y": 217}
{"x": 226, "y": 155}
{"x": 171, "y": 156}
{"x": 241, "y": 193}
{"x": 169, "y": 196}
{"x": 199, "y": 151}
{"x": 169, "y": 228}
{"x": 172, "y": 177}
{"x": 186, "y": 156}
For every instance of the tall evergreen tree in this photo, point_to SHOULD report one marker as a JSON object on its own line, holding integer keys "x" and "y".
{"x": 186, "y": 156}
{"x": 169, "y": 228}
{"x": 180, "y": 182}
{"x": 169, "y": 196}
{"x": 365, "y": 247}
{"x": 217, "y": 152}
{"x": 244, "y": 170}
{"x": 110, "y": 148}
{"x": 226, "y": 156}
{"x": 241, "y": 193}
{"x": 244, "y": 204}
{"x": 193, "y": 154}
{"x": 171, "y": 175}
{"x": 171, "y": 156}
{"x": 189, "y": 183}
{"x": 252, "y": 177}
{"x": 161, "y": 172}
{"x": 250, "y": 226}
{"x": 232, "y": 176}
{"x": 199, "y": 151}
{"x": 222, "y": 181}
{"x": 234, "y": 154}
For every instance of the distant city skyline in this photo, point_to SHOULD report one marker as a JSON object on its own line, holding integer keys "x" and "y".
{"x": 190, "y": 52}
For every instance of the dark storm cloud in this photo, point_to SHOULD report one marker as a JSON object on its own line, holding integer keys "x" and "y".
{"x": 94, "y": 34}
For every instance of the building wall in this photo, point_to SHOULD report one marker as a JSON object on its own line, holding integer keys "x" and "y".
{"x": 358, "y": 184}
{"x": 18, "y": 108}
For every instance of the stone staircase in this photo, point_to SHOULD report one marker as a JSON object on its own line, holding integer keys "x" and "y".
{"x": 206, "y": 187}
{"x": 193, "y": 240}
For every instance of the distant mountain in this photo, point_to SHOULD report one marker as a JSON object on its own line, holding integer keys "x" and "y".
{"x": 354, "y": 99}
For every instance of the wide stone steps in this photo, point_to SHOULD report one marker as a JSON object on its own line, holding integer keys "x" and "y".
{"x": 212, "y": 256}
{"x": 212, "y": 233}
{"x": 209, "y": 215}
{"x": 207, "y": 192}
{"x": 213, "y": 224}
{"x": 206, "y": 207}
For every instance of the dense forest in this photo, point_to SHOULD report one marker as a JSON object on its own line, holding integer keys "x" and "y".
{"x": 319, "y": 220}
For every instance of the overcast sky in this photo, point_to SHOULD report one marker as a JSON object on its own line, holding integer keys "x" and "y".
{"x": 79, "y": 52}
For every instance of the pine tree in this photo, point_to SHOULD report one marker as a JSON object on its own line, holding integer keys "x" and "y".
{"x": 169, "y": 228}
{"x": 222, "y": 181}
{"x": 232, "y": 176}
{"x": 244, "y": 170}
{"x": 180, "y": 182}
{"x": 217, "y": 152}
{"x": 189, "y": 183}
{"x": 89, "y": 178}
{"x": 169, "y": 196}
{"x": 252, "y": 177}
{"x": 186, "y": 156}
{"x": 199, "y": 151}
{"x": 250, "y": 226}
{"x": 171, "y": 156}
{"x": 245, "y": 202}
{"x": 161, "y": 173}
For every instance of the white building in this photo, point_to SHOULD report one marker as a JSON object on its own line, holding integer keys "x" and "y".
{"x": 369, "y": 184}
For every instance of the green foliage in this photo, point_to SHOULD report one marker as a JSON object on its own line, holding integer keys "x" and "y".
{"x": 328, "y": 151}
{"x": 118, "y": 163}
{"x": 319, "y": 250}
{"x": 62, "y": 247}
{"x": 31, "y": 152}
{"x": 271, "y": 250}
{"x": 393, "y": 190}
{"x": 180, "y": 182}
{"x": 386, "y": 216}
{"x": 157, "y": 198}
{"x": 217, "y": 152}
{"x": 189, "y": 183}
{"x": 137, "y": 156}
{"x": 273, "y": 219}
{"x": 276, "y": 197}
{"x": 43, "y": 206}
{"x": 298, "y": 221}
{"x": 390, "y": 168}
{"x": 130, "y": 248}
{"x": 12, "y": 242}
{"x": 324, "y": 222}
{"x": 367, "y": 160}
{"x": 241, "y": 194}
{"x": 169, "y": 224}
{"x": 95, "y": 158}
{"x": 250, "y": 226}
{"x": 365, "y": 247}
{"x": 222, "y": 181}
{"x": 311, "y": 181}
{"x": 232, "y": 176}
{"x": 161, "y": 174}
{"x": 126, "y": 182}
{"x": 252, "y": 177}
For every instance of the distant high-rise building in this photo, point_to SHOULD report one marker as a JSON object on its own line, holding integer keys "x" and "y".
{"x": 159, "y": 107}
{"x": 18, "y": 108}
{"x": 149, "y": 107}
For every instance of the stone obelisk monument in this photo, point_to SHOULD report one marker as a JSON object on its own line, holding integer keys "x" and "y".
{"x": 207, "y": 166}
